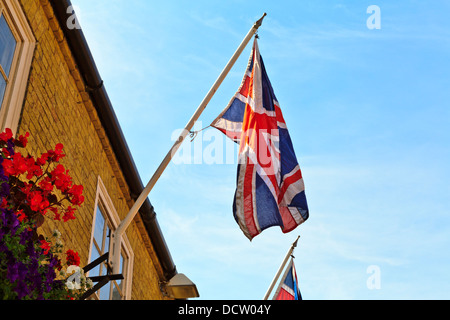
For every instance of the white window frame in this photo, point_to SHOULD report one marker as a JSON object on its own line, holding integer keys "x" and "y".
{"x": 11, "y": 107}
{"x": 102, "y": 199}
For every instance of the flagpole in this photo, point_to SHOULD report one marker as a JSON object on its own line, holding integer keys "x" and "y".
{"x": 275, "y": 279}
{"x": 117, "y": 235}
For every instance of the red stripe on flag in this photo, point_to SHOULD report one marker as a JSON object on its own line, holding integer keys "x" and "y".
{"x": 248, "y": 199}
{"x": 278, "y": 114}
{"x": 287, "y": 182}
{"x": 284, "y": 295}
{"x": 289, "y": 222}
{"x": 245, "y": 86}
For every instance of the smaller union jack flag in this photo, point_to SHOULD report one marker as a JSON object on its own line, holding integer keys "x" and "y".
{"x": 270, "y": 190}
{"x": 288, "y": 288}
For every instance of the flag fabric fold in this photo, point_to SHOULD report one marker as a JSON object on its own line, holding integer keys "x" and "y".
{"x": 270, "y": 189}
{"x": 288, "y": 288}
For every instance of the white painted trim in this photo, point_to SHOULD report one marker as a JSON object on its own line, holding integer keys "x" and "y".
{"x": 12, "y": 104}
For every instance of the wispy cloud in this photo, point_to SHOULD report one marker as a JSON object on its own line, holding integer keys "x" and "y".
{"x": 216, "y": 22}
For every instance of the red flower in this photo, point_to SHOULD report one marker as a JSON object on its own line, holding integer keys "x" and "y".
{"x": 72, "y": 258}
{"x": 42, "y": 159}
{"x": 58, "y": 170}
{"x": 55, "y": 155}
{"x": 69, "y": 214}
{"x": 76, "y": 192}
{"x": 61, "y": 178}
{"x": 46, "y": 246}
{"x": 33, "y": 168}
{"x": 56, "y": 216}
{"x": 23, "y": 140}
{"x": 46, "y": 185}
{"x": 27, "y": 188}
{"x": 5, "y": 136}
{"x": 21, "y": 215}
{"x": 8, "y": 166}
{"x": 16, "y": 165}
{"x": 77, "y": 200}
{"x": 37, "y": 201}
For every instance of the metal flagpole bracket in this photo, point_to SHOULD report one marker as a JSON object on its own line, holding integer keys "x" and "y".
{"x": 101, "y": 280}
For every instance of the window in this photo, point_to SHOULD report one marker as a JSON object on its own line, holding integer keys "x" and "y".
{"x": 17, "y": 45}
{"x": 105, "y": 222}
{"x": 7, "y": 48}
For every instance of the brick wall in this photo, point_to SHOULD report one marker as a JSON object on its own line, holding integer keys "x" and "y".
{"x": 57, "y": 109}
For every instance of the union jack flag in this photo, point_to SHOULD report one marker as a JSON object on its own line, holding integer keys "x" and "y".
{"x": 288, "y": 288}
{"x": 270, "y": 190}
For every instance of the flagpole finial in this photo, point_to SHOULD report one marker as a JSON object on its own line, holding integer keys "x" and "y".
{"x": 259, "y": 22}
{"x": 295, "y": 243}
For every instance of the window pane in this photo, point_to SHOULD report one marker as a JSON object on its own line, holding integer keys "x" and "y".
{"x": 7, "y": 46}
{"x": 116, "y": 294}
{"x": 108, "y": 234}
{"x": 104, "y": 292}
{"x": 104, "y": 269}
{"x": 96, "y": 270}
{"x": 121, "y": 263}
{"x": 2, "y": 88}
{"x": 99, "y": 226}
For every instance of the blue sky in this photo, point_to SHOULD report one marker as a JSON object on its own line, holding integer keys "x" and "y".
{"x": 368, "y": 113}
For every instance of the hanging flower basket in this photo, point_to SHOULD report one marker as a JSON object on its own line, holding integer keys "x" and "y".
{"x": 31, "y": 190}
